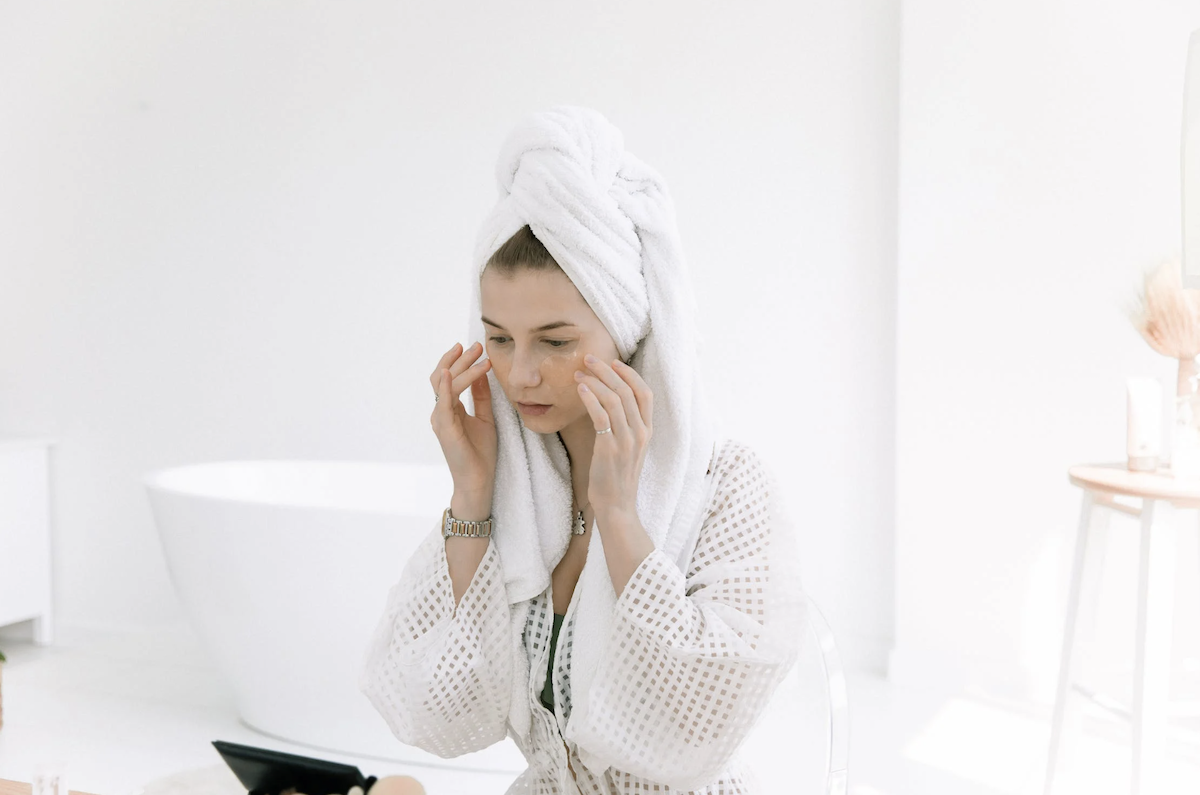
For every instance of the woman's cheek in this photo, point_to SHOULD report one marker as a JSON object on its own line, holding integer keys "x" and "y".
{"x": 561, "y": 367}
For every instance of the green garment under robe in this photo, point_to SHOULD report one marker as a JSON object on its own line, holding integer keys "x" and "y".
{"x": 548, "y": 690}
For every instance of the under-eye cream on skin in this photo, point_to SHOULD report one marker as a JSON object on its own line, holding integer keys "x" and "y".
{"x": 1144, "y": 423}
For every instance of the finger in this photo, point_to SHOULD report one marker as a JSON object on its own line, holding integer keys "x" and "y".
{"x": 447, "y": 397}
{"x": 444, "y": 362}
{"x": 595, "y": 409}
{"x": 397, "y": 785}
{"x": 610, "y": 404}
{"x": 629, "y": 399}
{"x": 481, "y": 393}
{"x": 626, "y": 413}
{"x": 641, "y": 390}
{"x": 464, "y": 361}
{"x": 471, "y": 376}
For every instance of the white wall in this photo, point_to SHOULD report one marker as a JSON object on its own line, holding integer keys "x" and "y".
{"x": 1039, "y": 173}
{"x": 242, "y": 230}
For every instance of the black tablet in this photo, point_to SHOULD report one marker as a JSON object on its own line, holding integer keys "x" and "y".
{"x": 266, "y": 772}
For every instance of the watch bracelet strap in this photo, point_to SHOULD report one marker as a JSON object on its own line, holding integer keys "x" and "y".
{"x": 465, "y": 528}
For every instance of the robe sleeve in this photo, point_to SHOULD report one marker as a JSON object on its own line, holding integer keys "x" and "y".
{"x": 693, "y": 659}
{"x": 441, "y": 674}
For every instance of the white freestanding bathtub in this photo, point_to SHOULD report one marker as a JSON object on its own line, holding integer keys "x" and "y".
{"x": 284, "y": 568}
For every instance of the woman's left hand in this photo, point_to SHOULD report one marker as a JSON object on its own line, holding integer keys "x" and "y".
{"x": 616, "y": 398}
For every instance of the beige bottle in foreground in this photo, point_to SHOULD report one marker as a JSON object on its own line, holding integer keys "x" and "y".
{"x": 1143, "y": 439}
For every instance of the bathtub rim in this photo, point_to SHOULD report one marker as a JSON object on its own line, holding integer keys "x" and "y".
{"x": 152, "y": 481}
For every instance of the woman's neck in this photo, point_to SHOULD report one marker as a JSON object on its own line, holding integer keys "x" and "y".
{"x": 579, "y": 443}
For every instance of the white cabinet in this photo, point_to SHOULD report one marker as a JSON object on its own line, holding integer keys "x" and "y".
{"x": 25, "y": 585}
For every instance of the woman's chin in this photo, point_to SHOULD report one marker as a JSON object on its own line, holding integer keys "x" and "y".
{"x": 540, "y": 424}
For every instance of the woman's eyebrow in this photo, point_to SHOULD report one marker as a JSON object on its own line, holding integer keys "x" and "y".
{"x": 547, "y": 327}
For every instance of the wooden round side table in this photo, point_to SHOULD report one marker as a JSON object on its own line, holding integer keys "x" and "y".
{"x": 9, "y": 787}
{"x": 1163, "y": 502}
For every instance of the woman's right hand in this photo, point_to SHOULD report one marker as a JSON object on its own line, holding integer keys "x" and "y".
{"x": 468, "y": 443}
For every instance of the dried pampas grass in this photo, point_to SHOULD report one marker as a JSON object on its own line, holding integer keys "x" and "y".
{"x": 1168, "y": 317}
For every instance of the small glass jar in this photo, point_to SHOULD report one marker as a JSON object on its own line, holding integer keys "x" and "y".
{"x": 49, "y": 778}
{"x": 1185, "y": 433}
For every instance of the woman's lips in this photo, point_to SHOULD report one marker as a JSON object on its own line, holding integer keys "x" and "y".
{"x": 533, "y": 408}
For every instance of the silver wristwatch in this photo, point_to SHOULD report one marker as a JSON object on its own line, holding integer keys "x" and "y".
{"x": 465, "y": 529}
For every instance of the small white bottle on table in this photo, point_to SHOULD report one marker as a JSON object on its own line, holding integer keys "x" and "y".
{"x": 1143, "y": 426}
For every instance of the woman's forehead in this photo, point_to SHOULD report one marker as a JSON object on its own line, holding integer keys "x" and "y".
{"x": 532, "y": 301}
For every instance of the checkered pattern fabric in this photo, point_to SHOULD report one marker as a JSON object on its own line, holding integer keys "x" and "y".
{"x": 691, "y": 663}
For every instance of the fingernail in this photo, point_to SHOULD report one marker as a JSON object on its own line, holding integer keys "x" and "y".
{"x": 590, "y": 359}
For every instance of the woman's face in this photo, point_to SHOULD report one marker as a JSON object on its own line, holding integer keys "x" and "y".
{"x": 538, "y": 366}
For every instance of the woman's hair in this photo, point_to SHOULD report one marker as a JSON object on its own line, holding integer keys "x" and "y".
{"x": 522, "y": 252}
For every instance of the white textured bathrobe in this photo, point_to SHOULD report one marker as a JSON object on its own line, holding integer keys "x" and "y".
{"x": 692, "y": 659}
{"x": 656, "y": 686}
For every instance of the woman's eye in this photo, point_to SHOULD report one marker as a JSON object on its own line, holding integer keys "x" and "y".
{"x": 551, "y": 343}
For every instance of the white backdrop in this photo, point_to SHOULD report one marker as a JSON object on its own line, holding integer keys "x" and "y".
{"x": 241, "y": 230}
{"x": 1039, "y": 173}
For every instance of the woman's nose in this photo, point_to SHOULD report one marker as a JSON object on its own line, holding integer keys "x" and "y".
{"x": 526, "y": 371}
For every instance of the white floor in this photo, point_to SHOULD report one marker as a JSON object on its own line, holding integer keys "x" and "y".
{"x": 122, "y": 710}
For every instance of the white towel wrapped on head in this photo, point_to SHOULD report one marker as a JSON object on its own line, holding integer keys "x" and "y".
{"x": 607, "y": 219}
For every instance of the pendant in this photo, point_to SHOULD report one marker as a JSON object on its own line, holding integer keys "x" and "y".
{"x": 579, "y": 527}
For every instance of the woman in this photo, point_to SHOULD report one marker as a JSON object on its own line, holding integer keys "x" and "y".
{"x": 613, "y": 585}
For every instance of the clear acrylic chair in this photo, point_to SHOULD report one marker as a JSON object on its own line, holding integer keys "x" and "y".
{"x": 801, "y": 746}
